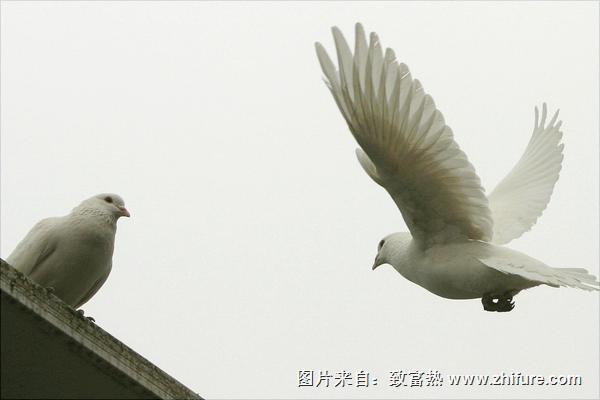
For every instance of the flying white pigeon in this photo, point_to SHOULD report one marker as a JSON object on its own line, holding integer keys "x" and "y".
{"x": 456, "y": 232}
{"x": 72, "y": 254}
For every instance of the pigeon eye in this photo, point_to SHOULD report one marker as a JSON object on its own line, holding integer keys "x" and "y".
{"x": 381, "y": 245}
{"x": 108, "y": 199}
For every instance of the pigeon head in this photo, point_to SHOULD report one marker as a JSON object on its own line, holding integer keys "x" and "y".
{"x": 109, "y": 203}
{"x": 391, "y": 245}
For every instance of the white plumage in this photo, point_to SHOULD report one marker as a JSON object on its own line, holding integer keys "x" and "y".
{"x": 72, "y": 254}
{"x": 455, "y": 230}
{"x": 521, "y": 197}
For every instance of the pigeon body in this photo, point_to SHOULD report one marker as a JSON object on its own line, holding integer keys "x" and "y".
{"x": 72, "y": 254}
{"x": 473, "y": 269}
{"x": 454, "y": 248}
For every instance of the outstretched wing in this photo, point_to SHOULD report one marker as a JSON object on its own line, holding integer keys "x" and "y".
{"x": 521, "y": 197}
{"x": 406, "y": 146}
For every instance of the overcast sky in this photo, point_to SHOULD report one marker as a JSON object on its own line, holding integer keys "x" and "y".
{"x": 248, "y": 254}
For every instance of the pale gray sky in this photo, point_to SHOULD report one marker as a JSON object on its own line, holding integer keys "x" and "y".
{"x": 253, "y": 227}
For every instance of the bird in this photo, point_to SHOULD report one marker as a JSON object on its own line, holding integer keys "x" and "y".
{"x": 72, "y": 255}
{"x": 455, "y": 247}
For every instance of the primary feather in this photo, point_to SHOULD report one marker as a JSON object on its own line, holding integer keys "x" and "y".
{"x": 521, "y": 197}
{"x": 406, "y": 146}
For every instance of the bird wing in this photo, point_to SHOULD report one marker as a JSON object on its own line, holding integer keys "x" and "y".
{"x": 35, "y": 247}
{"x": 406, "y": 147}
{"x": 510, "y": 261}
{"x": 521, "y": 197}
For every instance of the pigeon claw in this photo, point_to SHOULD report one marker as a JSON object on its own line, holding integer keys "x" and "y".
{"x": 488, "y": 303}
{"x": 82, "y": 315}
{"x": 505, "y": 304}
{"x": 501, "y": 304}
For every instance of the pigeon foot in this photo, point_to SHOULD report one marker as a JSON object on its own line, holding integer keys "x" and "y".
{"x": 80, "y": 312}
{"x": 501, "y": 304}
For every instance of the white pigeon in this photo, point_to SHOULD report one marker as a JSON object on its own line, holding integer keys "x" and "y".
{"x": 72, "y": 254}
{"x": 456, "y": 232}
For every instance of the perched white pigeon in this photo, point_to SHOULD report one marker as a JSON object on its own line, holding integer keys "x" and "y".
{"x": 454, "y": 245}
{"x": 72, "y": 254}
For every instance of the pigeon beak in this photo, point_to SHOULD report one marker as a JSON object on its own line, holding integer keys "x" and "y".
{"x": 124, "y": 212}
{"x": 377, "y": 262}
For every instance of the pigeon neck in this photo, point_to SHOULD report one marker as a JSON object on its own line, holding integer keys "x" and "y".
{"x": 107, "y": 217}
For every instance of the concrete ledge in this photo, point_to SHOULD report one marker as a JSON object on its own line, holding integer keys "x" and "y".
{"x": 48, "y": 350}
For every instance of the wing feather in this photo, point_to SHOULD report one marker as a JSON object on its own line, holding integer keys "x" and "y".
{"x": 405, "y": 145}
{"x": 35, "y": 247}
{"x": 522, "y": 196}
